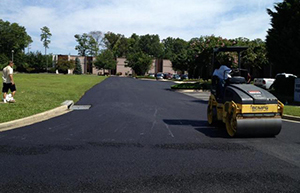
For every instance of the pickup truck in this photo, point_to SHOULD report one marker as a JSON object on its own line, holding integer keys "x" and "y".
{"x": 264, "y": 82}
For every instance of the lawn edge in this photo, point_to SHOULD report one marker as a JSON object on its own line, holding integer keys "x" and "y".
{"x": 63, "y": 109}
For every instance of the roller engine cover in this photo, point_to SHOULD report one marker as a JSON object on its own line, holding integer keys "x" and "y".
{"x": 248, "y": 94}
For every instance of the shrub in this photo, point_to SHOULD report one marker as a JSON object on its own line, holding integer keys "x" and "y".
{"x": 64, "y": 65}
{"x": 52, "y": 70}
{"x": 197, "y": 86}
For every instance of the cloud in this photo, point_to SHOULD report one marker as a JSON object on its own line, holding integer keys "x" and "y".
{"x": 176, "y": 18}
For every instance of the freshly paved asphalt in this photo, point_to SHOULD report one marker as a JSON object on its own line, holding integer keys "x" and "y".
{"x": 139, "y": 136}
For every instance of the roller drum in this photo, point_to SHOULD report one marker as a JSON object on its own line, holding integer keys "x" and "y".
{"x": 258, "y": 127}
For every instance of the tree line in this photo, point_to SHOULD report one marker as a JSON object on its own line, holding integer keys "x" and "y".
{"x": 278, "y": 53}
{"x": 193, "y": 56}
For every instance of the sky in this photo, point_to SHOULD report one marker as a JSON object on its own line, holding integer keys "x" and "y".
{"x": 184, "y": 19}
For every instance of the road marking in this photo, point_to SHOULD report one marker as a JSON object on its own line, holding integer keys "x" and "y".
{"x": 170, "y": 132}
{"x": 153, "y": 124}
{"x": 155, "y": 112}
{"x": 120, "y": 129}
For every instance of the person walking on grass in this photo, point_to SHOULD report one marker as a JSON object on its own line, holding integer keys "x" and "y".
{"x": 8, "y": 82}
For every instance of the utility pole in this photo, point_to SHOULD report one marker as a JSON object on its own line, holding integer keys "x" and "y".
{"x": 12, "y": 55}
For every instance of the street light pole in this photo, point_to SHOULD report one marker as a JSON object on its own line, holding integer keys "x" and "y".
{"x": 12, "y": 55}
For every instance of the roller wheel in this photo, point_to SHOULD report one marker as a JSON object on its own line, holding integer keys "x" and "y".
{"x": 231, "y": 125}
{"x": 211, "y": 115}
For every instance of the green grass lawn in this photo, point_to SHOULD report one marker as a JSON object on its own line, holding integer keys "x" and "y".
{"x": 291, "y": 110}
{"x": 37, "y": 93}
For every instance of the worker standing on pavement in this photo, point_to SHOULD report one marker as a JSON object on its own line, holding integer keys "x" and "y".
{"x": 8, "y": 82}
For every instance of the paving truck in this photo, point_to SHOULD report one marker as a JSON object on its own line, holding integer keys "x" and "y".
{"x": 246, "y": 110}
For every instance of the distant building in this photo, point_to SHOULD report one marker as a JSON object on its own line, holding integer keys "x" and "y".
{"x": 87, "y": 67}
{"x": 121, "y": 69}
{"x": 86, "y": 62}
{"x": 161, "y": 65}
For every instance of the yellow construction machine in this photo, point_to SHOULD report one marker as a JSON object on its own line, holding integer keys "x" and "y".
{"x": 246, "y": 110}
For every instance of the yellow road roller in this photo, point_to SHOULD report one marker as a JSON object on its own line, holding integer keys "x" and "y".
{"x": 246, "y": 110}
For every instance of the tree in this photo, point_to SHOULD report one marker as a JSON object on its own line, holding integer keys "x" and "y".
{"x": 199, "y": 55}
{"x": 106, "y": 60}
{"x": 45, "y": 38}
{"x": 33, "y": 62}
{"x": 95, "y": 42}
{"x": 176, "y": 51}
{"x": 9, "y": 42}
{"x": 150, "y": 44}
{"x": 133, "y": 45}
{"x": 63, "y": 65}
{"x": 111, "y": 39}
{"x": 139, "y": 50}
{"x": 116, "y": 43}
{"x": 255, "y": 57}
{"x": 172, "y": 47}
{"x": 121, "y": 47}
{"x": 140, "y": 62}
{"x": 283, "y": 39}
{"x": 83, "y": 44}
{"x": 77, "y": 69}
{"x": 180, "y": 61}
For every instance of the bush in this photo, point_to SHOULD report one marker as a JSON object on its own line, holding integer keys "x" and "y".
{"x": 196, "y": 86}
{"x": 52, "y": 70}
{"x": 64, "y": 65}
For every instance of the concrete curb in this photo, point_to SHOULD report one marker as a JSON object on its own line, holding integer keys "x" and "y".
{"x": 146, "y": 79}
{"x": 188, "y": 90}
{"x": 181, "y": 82}
{"x": 290, "y": 117}
{"x": 64, "y": 108}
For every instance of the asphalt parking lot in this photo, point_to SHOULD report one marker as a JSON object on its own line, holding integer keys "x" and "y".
{"x": 139, "y": 136}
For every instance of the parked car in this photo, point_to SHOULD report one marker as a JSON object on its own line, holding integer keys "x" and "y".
{"x": 184, "y": 77}
{"x": 176, "y": 77}
{"x": 286, "y": 75}
{"x": 168, "y": 76}
{"x": 159, "y": 76}
{"x": 265, "y": 83}
{"x": 151, "y": 75}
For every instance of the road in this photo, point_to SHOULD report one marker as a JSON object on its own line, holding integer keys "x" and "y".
{"x": 138, "y": 136}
